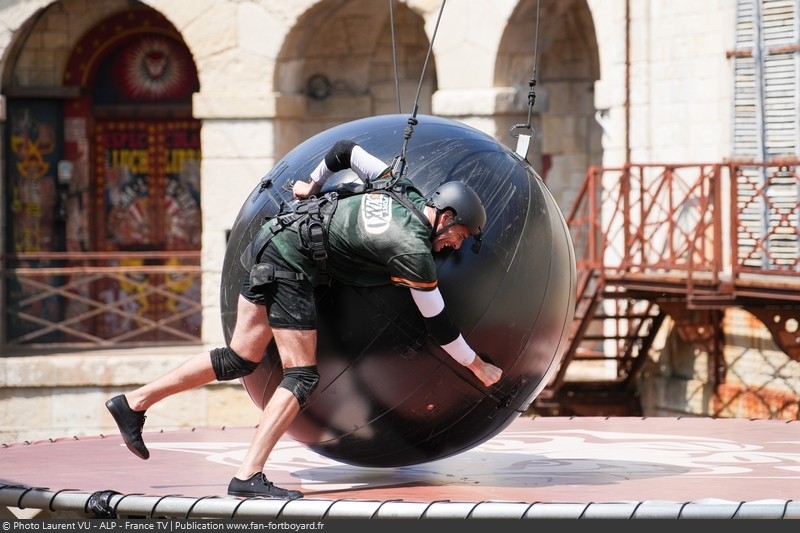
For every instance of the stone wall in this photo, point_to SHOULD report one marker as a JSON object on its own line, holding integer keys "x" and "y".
{"x": 60, "y": 396}
{"x": 668, "y": 101}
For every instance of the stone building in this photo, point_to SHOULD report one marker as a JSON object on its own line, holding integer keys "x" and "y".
{"x": 208, "y": 95}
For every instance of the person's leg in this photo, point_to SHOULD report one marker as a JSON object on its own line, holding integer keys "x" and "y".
{"x": 252, "y": 334}
{"x": 297, "y": 348}
{"x": 250, "y": 338}
{"x": 292, "y": 316}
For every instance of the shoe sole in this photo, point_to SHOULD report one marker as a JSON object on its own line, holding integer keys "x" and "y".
{"x": 116, "y": 415}
{"x": 265, "y": 496}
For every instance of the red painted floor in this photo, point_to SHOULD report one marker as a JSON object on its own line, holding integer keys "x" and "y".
{"x": 533, "y": 460}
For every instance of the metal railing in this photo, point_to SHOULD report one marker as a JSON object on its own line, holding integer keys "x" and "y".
{"x": 665, "y": 221}
{"x": 82, "y": 300}
{"x": 766, "y": 240}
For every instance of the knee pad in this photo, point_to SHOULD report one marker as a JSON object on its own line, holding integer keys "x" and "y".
{"x": 300, "y": 381}
{"x": 229, "y": 365}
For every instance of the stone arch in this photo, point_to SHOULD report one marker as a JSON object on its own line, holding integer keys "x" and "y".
{"x": 336, "y": 65}
{"x": 90, "y": 190}
{"x": 49, "y": 31}
{"x": 16, "y": 45}
{"x": 566, "y": 137}
{"x": 87, "y": 55}
{"x": 132, "y": 67}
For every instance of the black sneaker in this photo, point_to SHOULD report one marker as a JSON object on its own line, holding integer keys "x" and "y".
{"x": 130, "y": 424}
{"x": 258, "y": 485}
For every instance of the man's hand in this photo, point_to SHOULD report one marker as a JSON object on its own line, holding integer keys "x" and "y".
{"x": 304, "y": 189}
{"x": 486, "y": 372}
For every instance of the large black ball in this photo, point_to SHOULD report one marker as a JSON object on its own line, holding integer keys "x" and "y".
{"x": 388, "y": 395}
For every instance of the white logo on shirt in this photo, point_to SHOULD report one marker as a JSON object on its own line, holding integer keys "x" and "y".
{"x": 376, "y": 211}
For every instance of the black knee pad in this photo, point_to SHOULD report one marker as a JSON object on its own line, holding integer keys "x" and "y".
{"x": 229, "y": 365}
{"x": 300, "y": 381}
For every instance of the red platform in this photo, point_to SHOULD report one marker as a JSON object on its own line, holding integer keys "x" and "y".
{"x": 545, "y": 466}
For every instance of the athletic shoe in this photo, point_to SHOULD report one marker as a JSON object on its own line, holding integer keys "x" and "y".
{"x": 258, "y": 485}
{"x": 130, "y": 424}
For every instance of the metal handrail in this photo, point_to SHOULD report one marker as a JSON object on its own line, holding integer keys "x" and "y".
{"x": 665, "y": 219}
{"x": 95, "y": 299}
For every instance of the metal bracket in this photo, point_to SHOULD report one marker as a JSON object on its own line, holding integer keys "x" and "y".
{"x": 783, "y": 322}
{"x": 703, "y": 329}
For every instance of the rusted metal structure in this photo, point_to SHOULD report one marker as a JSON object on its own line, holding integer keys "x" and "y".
{"x": 684, "y": 241}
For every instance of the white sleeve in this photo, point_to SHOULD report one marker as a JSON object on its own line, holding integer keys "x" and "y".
{"x": 431, "y": 303}
{"x": 366, "y": 165}
{"x": 321, "y": 173}
{"x": 460, "y": 351}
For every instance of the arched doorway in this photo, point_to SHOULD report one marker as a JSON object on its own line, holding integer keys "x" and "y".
{"x": 108, "y": 223}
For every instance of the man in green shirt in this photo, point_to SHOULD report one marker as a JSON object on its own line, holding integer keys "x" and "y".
{"x": 385, "y": 235}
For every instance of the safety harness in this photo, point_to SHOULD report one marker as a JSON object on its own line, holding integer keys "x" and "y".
{"x": 312, "y": 218}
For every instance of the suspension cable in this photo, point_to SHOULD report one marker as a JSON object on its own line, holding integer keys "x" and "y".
{"x": 394, "y": 56}
{"x": 399, "y": 165}
{"x": 523, "y": 140}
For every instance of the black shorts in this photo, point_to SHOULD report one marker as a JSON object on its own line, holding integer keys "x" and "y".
{"x": 290, "y": 303}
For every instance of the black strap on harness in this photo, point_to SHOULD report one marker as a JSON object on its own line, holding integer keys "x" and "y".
{"x": 263, "y": 273}
{"x": 315, "y": 231}
{"x": 400, "y": 193}
{"x": 386, "y": 184}
{"x": 313, "y": 216}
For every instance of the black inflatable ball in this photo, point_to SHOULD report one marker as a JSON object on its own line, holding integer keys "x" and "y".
{"x": 388, "y": 395}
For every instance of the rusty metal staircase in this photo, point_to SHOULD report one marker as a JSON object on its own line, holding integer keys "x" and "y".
{"x": 610, "y": 337}
{"x": 649, "y": 246}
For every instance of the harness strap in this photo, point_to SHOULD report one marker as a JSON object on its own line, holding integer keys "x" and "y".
{"x": 400, "y": 193}
{"x": 313, "y": 216}
{"x": 288, "y": 274}
{"x": 249, "y": 258}
{"x": 386, "y": 183}
{"x": 385, "y": 180}
{"x": 264, "y": 273}
{"x": 317, "y": 234}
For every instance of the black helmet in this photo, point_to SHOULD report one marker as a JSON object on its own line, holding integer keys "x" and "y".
{"x": 467, "y": 205}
